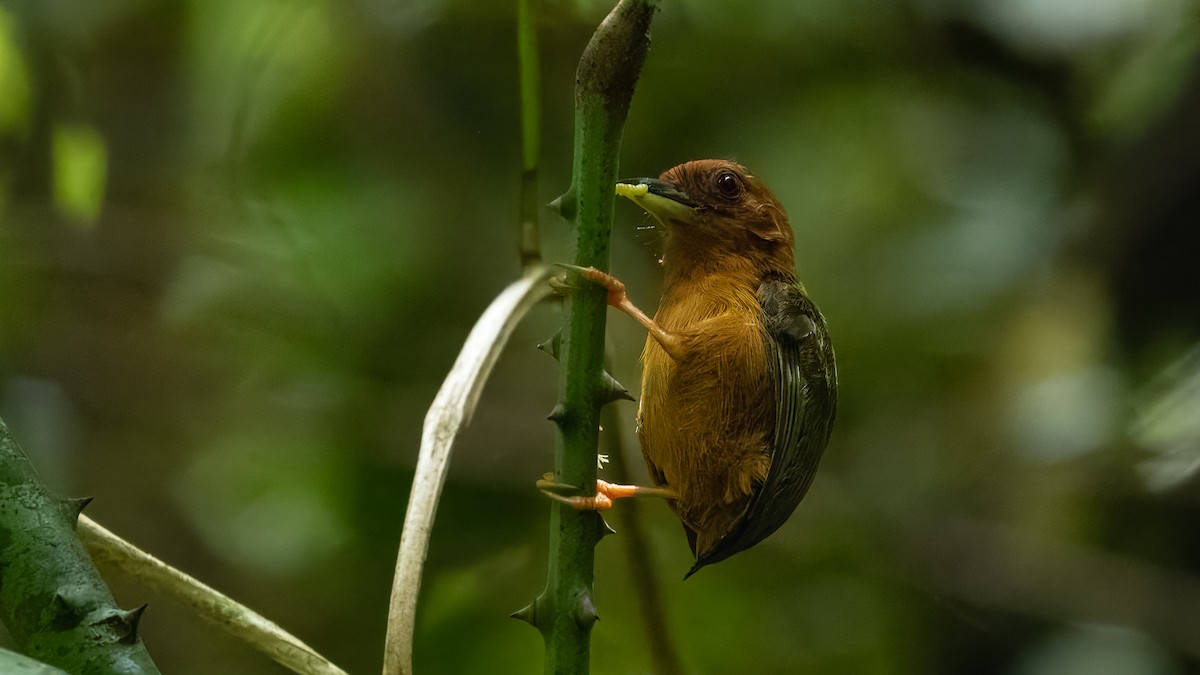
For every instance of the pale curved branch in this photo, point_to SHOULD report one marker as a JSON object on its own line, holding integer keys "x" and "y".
{"x": 110, "y": 551}
{"x": 451, "y": 409}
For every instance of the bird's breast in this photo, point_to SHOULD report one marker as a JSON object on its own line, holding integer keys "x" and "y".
{"x": 706, "y": 419}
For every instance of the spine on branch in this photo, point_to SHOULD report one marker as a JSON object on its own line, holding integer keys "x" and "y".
{"x": 52, "y": 600}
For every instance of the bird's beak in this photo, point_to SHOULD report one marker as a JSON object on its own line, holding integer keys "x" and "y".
{"x": 661, "y": 199}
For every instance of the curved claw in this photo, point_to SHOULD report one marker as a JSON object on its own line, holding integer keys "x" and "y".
{"x": 547, "y": 484}
{"x": 554, "y": 490}
{"x": 599, "y": 502}
{"x": 581, "y": 271}
{"x": 562, "y": 286}
{"x": 606, "y": 492}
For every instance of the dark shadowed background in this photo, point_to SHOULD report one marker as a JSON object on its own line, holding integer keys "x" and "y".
{"x": 242, "y": 242}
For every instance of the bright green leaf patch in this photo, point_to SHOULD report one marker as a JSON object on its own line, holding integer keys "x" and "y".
{"x": 80, "y": 172}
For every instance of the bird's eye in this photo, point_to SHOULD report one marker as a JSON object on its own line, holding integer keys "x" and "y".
{"x": 728, "y": 185}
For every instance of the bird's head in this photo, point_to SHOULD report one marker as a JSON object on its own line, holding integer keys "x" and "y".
{"x": 712, "y": 208}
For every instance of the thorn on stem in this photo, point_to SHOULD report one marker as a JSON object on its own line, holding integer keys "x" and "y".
{"x": 552, "y": 344}
{"x": 558, "y": 414}
{"x": 526, "y": 614}
{"x": 130, "y": 619}
{"x": 564, "y": 204}
{"x": 612, "y": 390}
{"x": 605, "y": 529}
{"x": 75, "y": 506}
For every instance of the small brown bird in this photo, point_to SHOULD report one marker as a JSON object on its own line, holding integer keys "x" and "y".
{"x": 739, "y": 385}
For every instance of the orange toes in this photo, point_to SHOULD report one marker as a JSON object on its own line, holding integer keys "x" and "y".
{"x": 606, "y": 493}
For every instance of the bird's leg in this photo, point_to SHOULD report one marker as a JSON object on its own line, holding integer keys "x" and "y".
{"x": 618, "y": 298}
{"x": 606, "y": 492}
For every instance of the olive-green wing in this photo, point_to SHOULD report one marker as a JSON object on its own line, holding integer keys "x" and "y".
{"x": 805, "y": 381}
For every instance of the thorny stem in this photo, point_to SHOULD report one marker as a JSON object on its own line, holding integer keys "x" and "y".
{"x": 605, "y": 80}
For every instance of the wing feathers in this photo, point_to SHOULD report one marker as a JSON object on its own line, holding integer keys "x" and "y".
{"x": 805, "y": 381}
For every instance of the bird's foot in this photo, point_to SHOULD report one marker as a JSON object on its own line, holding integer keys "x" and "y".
{"x": 670, "y": 342}
{"x": 616, "y": 289}
{"x": 606, "y": 492}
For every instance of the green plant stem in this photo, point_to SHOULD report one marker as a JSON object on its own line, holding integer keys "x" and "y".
{"x": 52, "y": 600}
{"x": 605, "y": 80}
{"x": 12, "y": 662}
{"x": 531, "y": 122}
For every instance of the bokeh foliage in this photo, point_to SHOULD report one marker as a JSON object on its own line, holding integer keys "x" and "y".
{"x": 242, "y": 242}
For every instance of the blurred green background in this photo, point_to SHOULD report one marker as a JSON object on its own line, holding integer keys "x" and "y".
{"x": 242, "y": 242}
